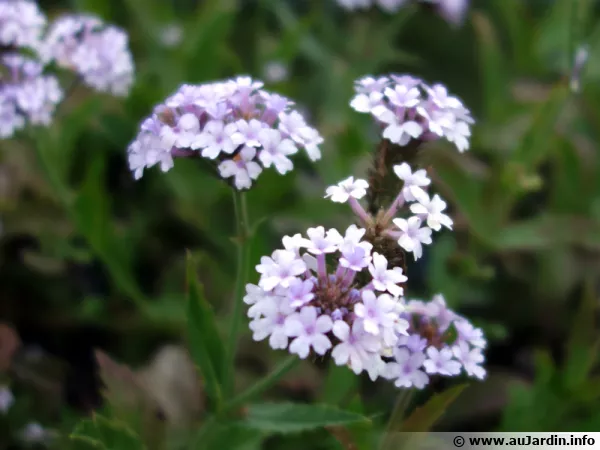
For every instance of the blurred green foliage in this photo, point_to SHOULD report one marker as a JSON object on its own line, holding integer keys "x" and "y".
{"x": 110, "y": 253}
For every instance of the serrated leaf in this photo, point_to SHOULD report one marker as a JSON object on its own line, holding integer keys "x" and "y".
{"x": 206, "y": 347}
{"x": 100, "y": 432}
{"x": 294, "y": 417}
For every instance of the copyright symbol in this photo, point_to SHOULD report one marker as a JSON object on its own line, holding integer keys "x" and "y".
{"x": 458, "y": 441}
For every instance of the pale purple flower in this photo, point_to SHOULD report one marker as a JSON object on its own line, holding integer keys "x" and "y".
{"x": 440, "y": 361}
{"x": 355, "y": 257}
{"x": 300, "y": 292}
{"x": 356, "y": 347}
{"x": 323, "y": 242}
{"x": 347, "y": 188}
{"x": 431, "y": 208}
{"x": 385, "y": 279}
{"x": 295, "y": 243}
{"x": 217, "y": 137}
{"x": 309, "y": 330}
{"x": 249, "y": 131}
{"x": 280, "y": 269}
{"x": 274, "y": 310}
{"x": 276, "y": 150}
{"x": 412, "y": 235}
{"x": 242, "y": 167}
{"x": 398, "y": 130}
{"x": 413, "y": 181}
{"x": 406, "y": 371}
{"x": 470, "y": 358}
{"x": 377, "y": 312}
{"x": 467, "y": 332}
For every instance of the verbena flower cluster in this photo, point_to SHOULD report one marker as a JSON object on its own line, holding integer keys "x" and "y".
{"x": 407, "y": 109}
{"x": 328, "y": 293}
{"x": 29, "y": 91}
{"x": 453, "y": 11}
{"x": 236, "y": 123}
{"x": 97, "y": 52}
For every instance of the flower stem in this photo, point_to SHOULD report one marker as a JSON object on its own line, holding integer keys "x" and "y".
{"x": 263, "y": 384}
{"x": 243, "y": 262}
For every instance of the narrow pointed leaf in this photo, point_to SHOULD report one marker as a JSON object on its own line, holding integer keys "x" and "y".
{"x": 205, "y": 343}
{"x": 292, "y": 417}
{"x": 424, "y": 417}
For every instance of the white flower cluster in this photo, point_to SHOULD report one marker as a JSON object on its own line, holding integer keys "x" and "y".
{"x": 97, "y": 52}
{"x": 328, "y": 293}
{"x": 408, "y": 109}
{"x": 412, "y": 232}
{"x": 234, "y": 122}
{"x": 453, "y": 11}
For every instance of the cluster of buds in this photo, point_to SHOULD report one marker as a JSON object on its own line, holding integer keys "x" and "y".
{"x": 452, "y": 11}
{"x": 235, "y": 123}
{"x": 29, "y": 92}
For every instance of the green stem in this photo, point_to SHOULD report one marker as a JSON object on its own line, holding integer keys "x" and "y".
{"x": 243, "y": 262}
{"x": 265, "y": 383}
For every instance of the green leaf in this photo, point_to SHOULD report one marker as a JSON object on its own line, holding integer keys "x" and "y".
{"x": 424, "y": 417}
{"x": 583, "y": 344}
{"x": 102, "y": 433}
{"x": 293, "y": 417}
{"x": 230, "y": 436}
{"x": 205, "y": 343}
{"x": 91, "y": 211}
{"x": 492, "y": 66}
{"x": 536, "y": 143}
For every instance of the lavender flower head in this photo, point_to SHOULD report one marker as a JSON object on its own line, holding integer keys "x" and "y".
{"x": 26, "y": 94}
{"x": 332, "y": 294}
{"x": 21, "y": 23}
{"x": 408, "y": 109}
{"x": 97, "y": 52}
{"x": 234, "y": 123}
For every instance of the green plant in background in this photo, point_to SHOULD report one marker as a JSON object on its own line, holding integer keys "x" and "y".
{"x": 523, "y": 204}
